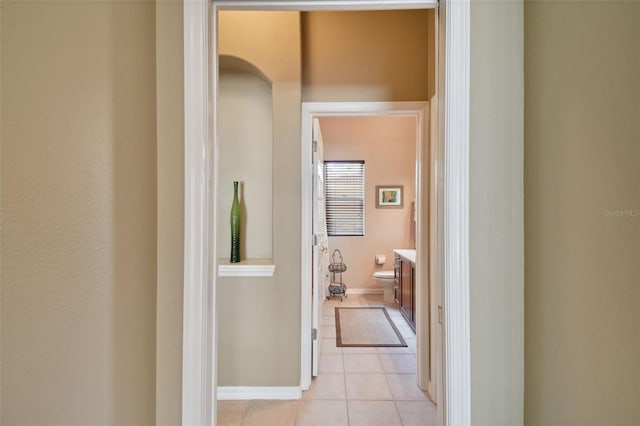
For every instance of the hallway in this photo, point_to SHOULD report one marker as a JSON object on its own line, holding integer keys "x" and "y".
{"x": 355, "y": 386}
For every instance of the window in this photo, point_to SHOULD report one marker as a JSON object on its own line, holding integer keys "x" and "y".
{"x": 344, "y": 186}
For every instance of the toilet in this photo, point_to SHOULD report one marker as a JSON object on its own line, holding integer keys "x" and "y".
{"x": 386, "y": 280}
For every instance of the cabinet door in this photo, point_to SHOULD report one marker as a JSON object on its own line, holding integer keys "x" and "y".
{"x": 396, "y": 279}
{"x": 406, "y": 292}
{"x": 413, "y": 296}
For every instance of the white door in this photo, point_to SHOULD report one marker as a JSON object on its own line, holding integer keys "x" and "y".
{"x": 320, "y": 244}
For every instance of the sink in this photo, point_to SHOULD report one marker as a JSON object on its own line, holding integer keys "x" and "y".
{"x": 409, "y": 254}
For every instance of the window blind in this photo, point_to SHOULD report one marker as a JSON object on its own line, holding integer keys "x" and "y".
{"x": 344, "y": 192}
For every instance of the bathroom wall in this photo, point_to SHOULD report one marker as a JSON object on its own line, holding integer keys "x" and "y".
{"x": 259, "y": 318}
{"x": 388, "y": 147}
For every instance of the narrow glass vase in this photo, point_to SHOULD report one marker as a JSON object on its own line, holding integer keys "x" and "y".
{"x": 235, "y": 226}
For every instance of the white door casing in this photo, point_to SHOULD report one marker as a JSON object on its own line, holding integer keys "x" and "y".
{"x": 200, "y": 81}
{"x": 310, "y": 112}
{"x": 320, "y": 242}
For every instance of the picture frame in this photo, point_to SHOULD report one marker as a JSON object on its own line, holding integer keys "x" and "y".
{"x": 389, "y": 196}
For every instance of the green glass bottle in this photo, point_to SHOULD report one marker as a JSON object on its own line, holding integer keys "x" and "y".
{"x": 235, "y": 226}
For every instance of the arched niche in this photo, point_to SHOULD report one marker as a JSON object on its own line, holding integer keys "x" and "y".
{"x": 245, "y": 141}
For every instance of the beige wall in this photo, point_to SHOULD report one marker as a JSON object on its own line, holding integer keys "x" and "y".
{"x": 582, "y": 171}
{"x": 1, "y": 209}
{"x": 388, "y": 147}
{"x": 245, "y": 149}
{"x": 496, "y": 213}
{"x": 170, "y": 212}
{"x": 79, "y": 213}
{"x": 366, "y": 56}
{"x": 259, "y": 318}
{"x": 250, "y": 35}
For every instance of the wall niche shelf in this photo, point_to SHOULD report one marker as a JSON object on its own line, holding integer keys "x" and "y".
{"x": 246, "y": 268}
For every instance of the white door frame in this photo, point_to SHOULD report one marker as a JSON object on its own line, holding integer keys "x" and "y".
{"x": 200, "y": 74}
{"x": 311, "y": 110}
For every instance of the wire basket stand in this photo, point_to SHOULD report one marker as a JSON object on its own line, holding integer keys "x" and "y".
{"x": 336, "y": 287}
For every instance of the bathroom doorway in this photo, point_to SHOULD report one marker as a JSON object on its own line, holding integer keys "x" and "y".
{"x": 316, "y": 314}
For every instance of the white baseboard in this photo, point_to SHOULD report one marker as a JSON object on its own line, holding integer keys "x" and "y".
{"x": 365, "y": 291}
{"x": 258, "y": 392}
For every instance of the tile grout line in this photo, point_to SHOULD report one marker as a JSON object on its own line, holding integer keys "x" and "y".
{"x": 395, "y": 404}
{"x": 386, "y": 377}
{"x": 346, "y": 396}
{"x": 244, "y": 416}
{"x": 295, "y": 420}
{"x": 344, "y": 381}
{"x": 393, "y": 397}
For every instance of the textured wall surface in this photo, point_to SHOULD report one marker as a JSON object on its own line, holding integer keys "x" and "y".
{"x": 366, "y": 56}
{"x": 582, "y": 212}
{"x": 170, "y": 125}
{"x": 78, "y": 213}
{"x": 496, "y": 213}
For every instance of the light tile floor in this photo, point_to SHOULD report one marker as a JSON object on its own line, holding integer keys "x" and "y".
{"x": 355, "y": 386}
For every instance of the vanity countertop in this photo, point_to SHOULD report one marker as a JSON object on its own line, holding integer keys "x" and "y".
{"x": 408, "y": 254}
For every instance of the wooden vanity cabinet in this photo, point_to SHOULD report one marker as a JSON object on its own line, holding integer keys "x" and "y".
{"x": 396, "y": 278}
{"x": 405, "y": 278}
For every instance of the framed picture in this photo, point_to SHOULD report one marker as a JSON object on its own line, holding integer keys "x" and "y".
{"x": 389, "y": 196}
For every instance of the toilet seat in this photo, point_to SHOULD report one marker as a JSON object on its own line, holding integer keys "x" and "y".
{"x": 385, "y": 275}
